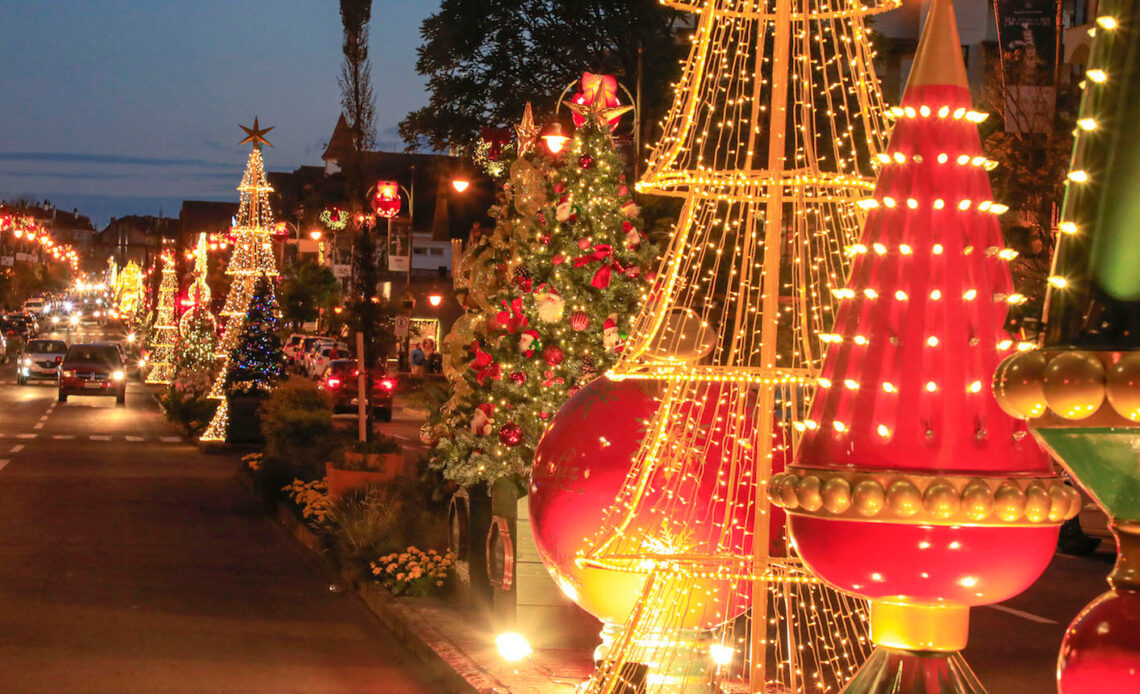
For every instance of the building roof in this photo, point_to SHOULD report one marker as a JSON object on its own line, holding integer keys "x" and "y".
{"x": 340, "y": 142}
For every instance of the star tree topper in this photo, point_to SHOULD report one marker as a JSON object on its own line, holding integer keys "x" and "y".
{"x": 256, "y": 134}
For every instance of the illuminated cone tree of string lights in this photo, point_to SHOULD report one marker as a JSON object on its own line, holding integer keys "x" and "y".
{"x": 1081, "y": 390}
{"x": 252, "y": 258}
{"x": 164, "y": 334}
{"x": 728, "y": 347}
{"x": 197, "y": 329}
{"x": 912, "y": 487}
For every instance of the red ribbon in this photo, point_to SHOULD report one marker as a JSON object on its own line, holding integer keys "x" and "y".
{"x": 603, "y": 253}
{"x": 512, "y": 319}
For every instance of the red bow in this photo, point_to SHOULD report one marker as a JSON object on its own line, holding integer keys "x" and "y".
{"x": 485, "y": 366}
{"x": 603, "y": 253}
{"x": 512, "y": 319}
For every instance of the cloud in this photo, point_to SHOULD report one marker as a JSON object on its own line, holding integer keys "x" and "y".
{"x": 72, "y": 176}
{"x": 84, "y": 158}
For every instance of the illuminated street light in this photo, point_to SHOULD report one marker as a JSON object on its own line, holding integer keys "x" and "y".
{"x": 435, "y": 299}
{"x": 554, "y": 138}
{"x": 460, "y": 183}
{"x": 513, "y": 647}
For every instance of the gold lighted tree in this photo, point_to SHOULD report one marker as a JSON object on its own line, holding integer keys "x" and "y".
{"x": 775, "y": 129}
{"x": 252, "y": 257}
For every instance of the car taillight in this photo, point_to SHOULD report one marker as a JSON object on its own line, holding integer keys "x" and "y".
{"x": 387, "y": 384}
{"x": 69, "y": 374}
{"x": 59, "y": 360}
{"x": 333, "y": 383}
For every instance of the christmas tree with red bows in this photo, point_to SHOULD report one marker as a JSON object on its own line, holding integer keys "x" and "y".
{"x": 551, "y": 291}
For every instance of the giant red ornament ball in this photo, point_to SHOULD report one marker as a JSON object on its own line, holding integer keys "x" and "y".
{"x": 1101, "y": 650}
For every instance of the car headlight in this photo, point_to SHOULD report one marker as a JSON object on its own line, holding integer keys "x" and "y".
{"x": 118, "y": 375}
{"x": 27, "y": 361}
{"x": 69, "y": 373}
{"x": 55, "y": 319}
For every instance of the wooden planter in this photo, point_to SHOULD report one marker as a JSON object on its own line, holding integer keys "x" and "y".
{"x": 245, "y": 419}
{"x": 384, "y": 467}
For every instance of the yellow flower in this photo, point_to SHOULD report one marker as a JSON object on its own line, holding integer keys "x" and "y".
{"x": 400, "y": 576}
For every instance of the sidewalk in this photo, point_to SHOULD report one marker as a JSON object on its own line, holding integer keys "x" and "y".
{"x": 443, "y": 635}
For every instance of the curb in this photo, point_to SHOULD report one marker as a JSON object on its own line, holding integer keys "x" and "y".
{"x": 455, "y": 670}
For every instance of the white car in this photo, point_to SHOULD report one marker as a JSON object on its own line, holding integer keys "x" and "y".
{"x": 40, "y": 359}
{"x": 292, "y": 346}
{"x": 326, "y": 354}
{"x": 305, "y": 360}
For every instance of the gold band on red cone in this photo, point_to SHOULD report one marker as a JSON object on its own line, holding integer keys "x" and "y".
{"x": 924, "y": 499}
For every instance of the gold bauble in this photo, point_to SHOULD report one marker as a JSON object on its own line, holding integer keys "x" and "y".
{"x": 904, "y": 498}
{"x": 1010, "y": 502}
{"x": 1123, "y": 386}
{"x": 836, "y": 494}
{"x": 941, "y": 499}
{"x": 1037, "y": 503}
{"x": 977, "y": 500}
{"x": 1060, "y": 502}
{"x": 787, "y": 492}
{"x": 868, "y": 498}
{"x": 1074, "y": 385}
{"x": 808, "y": 492}
{"x": 1019, "y": 385}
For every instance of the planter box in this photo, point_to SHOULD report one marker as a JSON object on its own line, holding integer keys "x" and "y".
{"x": 385, "y": 468}
{"x": 245, "y": 419}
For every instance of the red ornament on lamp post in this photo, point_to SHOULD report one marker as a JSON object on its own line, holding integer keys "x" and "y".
{"x": 912, "y": 487}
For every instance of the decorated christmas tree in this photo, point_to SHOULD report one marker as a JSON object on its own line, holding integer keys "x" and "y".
{"x": 252, "y": 259}
{"x": 197, "y": 329}
{"x": 254, "y": 364}
{"x": 128, "y": 291}
{"x": 164, "y": 334}
{"x": 553, "y": 288}
{"x": 912, "y": 488}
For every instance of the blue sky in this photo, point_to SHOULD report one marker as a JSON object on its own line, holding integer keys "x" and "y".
{"x": 130, "y": 106}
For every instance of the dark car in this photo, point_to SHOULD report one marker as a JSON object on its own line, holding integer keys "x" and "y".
{"x": 341, "y": 382}
{"x": 40, "y": 359}
{"x": 93, "y": 370}
{"x": 14, "y": 326}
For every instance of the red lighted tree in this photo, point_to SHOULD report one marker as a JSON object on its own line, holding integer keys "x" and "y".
{"x": 942, "y": 500}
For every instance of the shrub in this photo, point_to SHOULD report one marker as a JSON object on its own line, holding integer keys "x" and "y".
{"x": 364, "y": 523}
{"x": 186, "y": 400}
{"x": 296, "y": 421}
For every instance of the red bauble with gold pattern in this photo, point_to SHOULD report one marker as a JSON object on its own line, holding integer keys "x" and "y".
{"x": 580, "y": 466}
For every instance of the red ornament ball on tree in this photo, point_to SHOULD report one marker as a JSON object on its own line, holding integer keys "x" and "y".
{"x": 579, "y": 320}
{"x": 585, "y": 161}
{"x": 553, "y": 355}
{"x": 518, "y": 377}
{"x": 510, "y": 434}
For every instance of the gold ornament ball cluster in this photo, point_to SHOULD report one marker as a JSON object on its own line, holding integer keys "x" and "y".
{"x": 943, "y": 501}
{"x": 1072, "y": 384}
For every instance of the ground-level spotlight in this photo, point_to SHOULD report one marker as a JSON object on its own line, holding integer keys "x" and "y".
{"x": 721, "y": 654}
{"x": 513, "y": 646}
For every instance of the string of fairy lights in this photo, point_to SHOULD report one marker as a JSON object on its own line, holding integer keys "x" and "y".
{"x": 27, "y": 229}
{"x": 733, "y": 326}
{"x": 164, "y": 334}
{"x": 252, "y": 258}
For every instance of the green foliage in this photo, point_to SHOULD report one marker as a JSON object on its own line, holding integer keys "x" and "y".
{"x": 296, "y": 421}
{"x": 197, "y": 341}
{"x": 308, "y": 288}
{"x": 255, "y": 363}
{"x": 551, "y": 293}
{"x": 484, "y": 61}
{"x": 25, "y": 279}
{"x": 380, "y": 444}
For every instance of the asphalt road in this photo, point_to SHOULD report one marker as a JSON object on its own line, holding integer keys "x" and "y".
{"x": 131, "y": 562}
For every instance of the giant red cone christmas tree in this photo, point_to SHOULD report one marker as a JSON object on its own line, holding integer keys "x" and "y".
{"x": 912, "y": 487}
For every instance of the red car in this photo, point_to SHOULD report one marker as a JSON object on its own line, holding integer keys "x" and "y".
{"x": 341, "y": 379}
{"x": 93, "y": 370}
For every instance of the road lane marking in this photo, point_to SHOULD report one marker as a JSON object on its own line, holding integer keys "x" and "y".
{"x": 170, "y": 439}
{"x": 63, "y": 437}
{"x": 99, "y": 437}
{"x": 38, "y": 425}
{"x": 3, "y": 463}
{"x": 135, "y": 438}
{"x": 17, "y": 448}
{"x": 26, "y": 436}
{"x": 1023, "y": 615}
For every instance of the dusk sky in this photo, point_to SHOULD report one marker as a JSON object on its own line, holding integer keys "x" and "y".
{"x": 130, "y": 106}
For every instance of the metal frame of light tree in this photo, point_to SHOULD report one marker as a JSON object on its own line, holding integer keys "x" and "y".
{"x": 165, "y": 324}
{"x": 252, "y": 257}
{"x": 734, "y": 331}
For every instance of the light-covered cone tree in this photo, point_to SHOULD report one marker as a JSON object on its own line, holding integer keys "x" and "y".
{"x": 553, "y": 289}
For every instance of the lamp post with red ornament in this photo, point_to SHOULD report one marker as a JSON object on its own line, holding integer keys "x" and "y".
{"x": 912, "y": 487}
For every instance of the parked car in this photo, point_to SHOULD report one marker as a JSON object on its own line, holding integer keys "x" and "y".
{"x": 292, "y": 345}
{"x": 91, "y": 369}
{"x": 37, "y": 305}
{"x": 14, "y": 326}
{"x": 306, "y": 362}
{"x": 40, "y": 359}
{"x": 324, "y": 356}
{"x": 30, "y": 321}
{"x": 301, "y": 350}
{"x": 341, "y": 381}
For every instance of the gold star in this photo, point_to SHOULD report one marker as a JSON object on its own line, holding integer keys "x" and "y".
{"x": 603, "y": 114}
{"x": 527, "y": 131}
{"x": 256, "y": 134}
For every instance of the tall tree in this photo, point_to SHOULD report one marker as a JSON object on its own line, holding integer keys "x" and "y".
{"x": 484, "y": 61}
